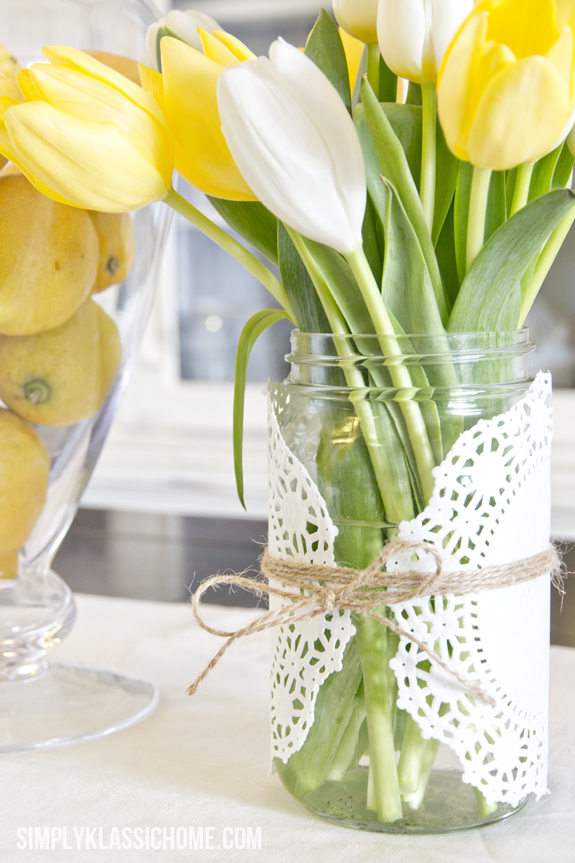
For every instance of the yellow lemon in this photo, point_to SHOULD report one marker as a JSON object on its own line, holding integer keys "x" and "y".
{"x": 24, "y": 473}
{"x": 117, "y": 248}
{"x": 48, "y": 258}
{"x": 62, "y": 376}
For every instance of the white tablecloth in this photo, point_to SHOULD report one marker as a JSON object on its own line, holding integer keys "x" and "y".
{"x": 204, "y": 762}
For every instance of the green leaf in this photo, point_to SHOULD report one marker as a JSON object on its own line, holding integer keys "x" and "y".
{"x": 406, "y": 286}
{"x": 461, "y": 216}
{"x": 542, "y": 176}
{"x": 445, "y": 251}
{"x": 387, "y": 83}
{"x": 496, "y": 212}
{"x": 253, "y": 222}
{"x": 406, "y": 120}
{"x": 373, "y": 240}
{"x": 332, "y": 272}
{"x": 325, "y": 48}
{"x": 447, "y": 173}
{"x": 510, "y": 178}
{"x": 304, "y": 301}
{"x": 490, "y": 296}
{"x": 564, "y": 168}
{"x": 253, "y": 329}
{"x": 395, "y": 168}
{"x": 414, "y": 94}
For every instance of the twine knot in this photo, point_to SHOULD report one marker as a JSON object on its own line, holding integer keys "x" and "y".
{"x": 311, "y": 590}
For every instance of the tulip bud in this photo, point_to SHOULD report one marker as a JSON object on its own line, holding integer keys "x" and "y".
{"x": 358, "y": 18}
{"x": 87, "y": 136}
{"x": 505, "y": 92}
{"x": 182, "y": 25}
{"x": 295, "y": 144}
{"x": 413, "y": 35}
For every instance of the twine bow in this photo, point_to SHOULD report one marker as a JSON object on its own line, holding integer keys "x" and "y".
{"x": 314, "y": 590}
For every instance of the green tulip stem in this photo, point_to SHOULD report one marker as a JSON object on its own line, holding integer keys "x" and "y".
{"x": 477, "y": 213}
{"x": 354, "y": 380}
{"x": 428, "y": 151}
{"x": 544, "y": 263}
{"x": 522, "y": 183}
{"x": 373, "y": 58}
{"x": 232, "y": 247}
{"x": 399, "y": 374}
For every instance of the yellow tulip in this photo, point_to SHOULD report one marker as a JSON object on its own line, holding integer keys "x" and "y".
{"x": 506, "y": 88}
{"x": 353, "y": 54}
{"x": 186, "y": 92}
{"x": 86, "y": 135}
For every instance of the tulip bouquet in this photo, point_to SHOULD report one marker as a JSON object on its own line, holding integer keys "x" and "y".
{"x": 409, "y": 175}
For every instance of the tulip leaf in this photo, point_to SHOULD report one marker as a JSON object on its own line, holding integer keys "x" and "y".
{"x": 394, "y": 167}
{"x": 461, "y": 216}
{"x": 329, "y": 271}
{"x": 309, "y": 313}
{"x": 564, "y": 168}
{"x": 414, "y": 94}
{"x": 325, "y": 48}
{"x": 253, "y": 222}
{"x": 387, "y": 83}
{"x": 253, "y": 329}
{"x": 496, "y": 212}
{"x": 510, "y": 178}
{"x": 445, "y": 251}
{"x": 406, "y": 122}
{"x": 490, "y": 296}
{"x": 373, "y": 240}
{"x": 447, "y": 166}
{"x": 543, "y": 171}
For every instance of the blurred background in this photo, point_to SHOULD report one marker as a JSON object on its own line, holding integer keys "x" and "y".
{"x": 161, "y": 512}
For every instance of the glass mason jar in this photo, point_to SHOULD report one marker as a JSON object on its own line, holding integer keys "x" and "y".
{"x": 442, "y": 439}
{"x": 76, "y": 290}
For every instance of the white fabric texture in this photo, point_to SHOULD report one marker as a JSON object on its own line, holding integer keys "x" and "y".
{"x": 204, "y": 761}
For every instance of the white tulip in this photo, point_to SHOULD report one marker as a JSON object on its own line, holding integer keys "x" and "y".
{"x": 295, "y": 145}
{"x": 184, "y": 25}
{"x": 414, "y": 35}
{"x": 358, "y": 18}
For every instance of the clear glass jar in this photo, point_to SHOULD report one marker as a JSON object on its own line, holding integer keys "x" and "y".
{"x": 370, "y": 456}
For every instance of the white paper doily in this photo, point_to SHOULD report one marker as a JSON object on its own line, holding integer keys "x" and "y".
{"x": 490, "y": 505}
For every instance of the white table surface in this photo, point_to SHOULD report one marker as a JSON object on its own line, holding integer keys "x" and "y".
{"x": 204, "y": 761}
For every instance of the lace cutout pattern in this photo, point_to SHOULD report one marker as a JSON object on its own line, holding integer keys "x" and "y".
{"x": 490, "y": 505}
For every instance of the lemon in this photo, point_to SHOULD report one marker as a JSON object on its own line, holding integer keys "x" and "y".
{"x": 49, "y": 256}
{"x": 24, "y": 473}
{"x": 117, "y": 248}
{"x": 124, "y": 65}
{"x": 64, "y": 375}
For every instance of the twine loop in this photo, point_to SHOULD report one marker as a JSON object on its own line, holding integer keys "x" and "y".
{"x": 315, "y": 590}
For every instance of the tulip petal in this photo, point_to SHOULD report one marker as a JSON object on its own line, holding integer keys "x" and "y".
{"x": 455, "y": 103}
{"x": 447, "y": 17}
{"x": 27, "y": 86}
{"x": 512, "y": 23}
{"x": 283, "y": 155}
{"x": 185, "y": 25}
{"x": 88, "y": 164}
{"x": 401, "y": 35}
{"x": 82, "y": 62}
{"x": 324, "y": 107}
{"x": 216, "y": 50}
{"x": 201, "y": 153}
{"x": 501, "y": 136}
{"x": 238, "y": 49}
{"x": 153, "y": 83}
{"x": 353, "y": 54}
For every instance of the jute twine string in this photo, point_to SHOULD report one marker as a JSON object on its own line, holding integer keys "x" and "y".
{"x": 313, "y": 590}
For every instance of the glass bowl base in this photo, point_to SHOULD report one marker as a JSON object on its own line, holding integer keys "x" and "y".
{"x": 449, "y": 805}
{"x": 67, "y": 704}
